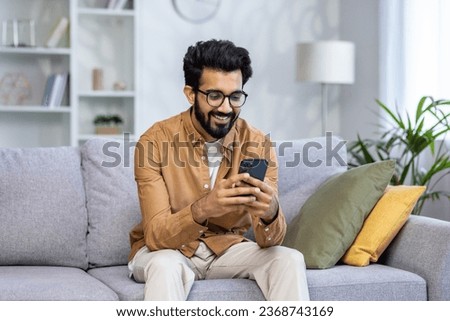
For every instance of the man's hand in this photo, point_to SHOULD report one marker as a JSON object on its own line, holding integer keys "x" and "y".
{"x": 227, "y": 196}
{"x": 230, "y": 195}
{"x": 266, "y": 204}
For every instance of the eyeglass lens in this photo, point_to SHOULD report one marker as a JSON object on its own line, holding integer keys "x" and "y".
{"x": 216, "y": 98}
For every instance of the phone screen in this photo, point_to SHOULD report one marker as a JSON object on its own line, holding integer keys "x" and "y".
{"x": 256, "y": 167}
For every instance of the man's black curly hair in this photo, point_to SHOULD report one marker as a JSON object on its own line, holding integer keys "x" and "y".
{"x": 216, "y": 54}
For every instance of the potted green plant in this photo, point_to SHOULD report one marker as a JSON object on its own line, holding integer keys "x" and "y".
{"x": 408, "y": 140}
{"x": 108, "y": 124}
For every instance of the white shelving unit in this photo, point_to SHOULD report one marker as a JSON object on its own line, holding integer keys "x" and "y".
{"x": 99, "y": 38}
{"x": 34, "y": 109}
{"x": 106, "y": 40}
{"x": 28, "y": 123}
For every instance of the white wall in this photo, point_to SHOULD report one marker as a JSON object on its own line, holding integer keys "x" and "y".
{"x": 359, "y": 112}
{"x": 270, "y": 30}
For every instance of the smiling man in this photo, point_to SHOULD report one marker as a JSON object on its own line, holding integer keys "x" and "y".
{"x": 195, "y": 204}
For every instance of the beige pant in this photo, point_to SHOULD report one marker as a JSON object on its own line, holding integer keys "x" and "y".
{"x": 168, "y": 275}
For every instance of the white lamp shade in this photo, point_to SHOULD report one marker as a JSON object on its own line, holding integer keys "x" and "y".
{"x": 329, "y": 62}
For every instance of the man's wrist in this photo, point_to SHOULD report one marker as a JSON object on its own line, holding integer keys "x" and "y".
{"x": 270, "y": 220}
{"x": 197, "y": 212}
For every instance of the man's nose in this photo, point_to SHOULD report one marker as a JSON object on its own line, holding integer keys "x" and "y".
{"x": 225, "y": 107}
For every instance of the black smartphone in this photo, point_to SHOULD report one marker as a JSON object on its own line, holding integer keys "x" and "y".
{"x": 256, "y": 167}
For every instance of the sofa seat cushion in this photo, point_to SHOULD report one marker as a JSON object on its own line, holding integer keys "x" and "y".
{"x": 48, "y": 283}
{"x": 340, "y": 283}
{"x": 374, "y": 282}
{"x": 116, "y": 277}
{"x": 225, "y": 290}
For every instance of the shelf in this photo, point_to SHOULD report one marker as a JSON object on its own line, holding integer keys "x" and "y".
{"x": 35, "y": 51}
{"x": 107, "y": 94}
{"x": 115, "y": 137}
{"x": 34, "y": 109}
{"x": 106, "y": 12}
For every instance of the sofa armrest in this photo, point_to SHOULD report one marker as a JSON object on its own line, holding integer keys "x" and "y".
{"x": 423, "y": 247}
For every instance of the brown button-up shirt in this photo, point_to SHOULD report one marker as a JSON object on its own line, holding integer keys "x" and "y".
{"x": 171, "y": 171}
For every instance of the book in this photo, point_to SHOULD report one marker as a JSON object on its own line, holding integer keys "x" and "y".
{"x": 60, "y": 87}
{"x": 55, "y": 89}
{"x": 58, "y": 32}
{"x": 111, "y": 4}
{"x": 121, "y": 4}
{"x": 48, "y": 90}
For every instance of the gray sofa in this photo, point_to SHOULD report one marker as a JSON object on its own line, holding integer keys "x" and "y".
{"x": 65, "y": 214}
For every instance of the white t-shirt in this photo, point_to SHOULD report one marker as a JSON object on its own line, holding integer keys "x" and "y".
{"x": 214, "y": 154}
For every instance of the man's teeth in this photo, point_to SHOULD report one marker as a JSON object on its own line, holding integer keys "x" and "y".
{"x": 221, "y": 117}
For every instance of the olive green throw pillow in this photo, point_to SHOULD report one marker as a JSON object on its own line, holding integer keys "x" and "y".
{"x": 332, "y": 217}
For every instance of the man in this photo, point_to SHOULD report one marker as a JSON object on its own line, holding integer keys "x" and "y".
{"x": 195, "y": 205}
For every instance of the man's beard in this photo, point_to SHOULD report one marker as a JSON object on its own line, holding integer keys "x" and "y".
{"x": 218, "y": 131}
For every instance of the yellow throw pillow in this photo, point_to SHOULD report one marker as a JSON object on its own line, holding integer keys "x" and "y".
{"x": 382, "y": 224}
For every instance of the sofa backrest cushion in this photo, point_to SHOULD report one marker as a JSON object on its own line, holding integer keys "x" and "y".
{"x": 42, "y": 207}
{"x": 304, "y": 165}
{"x": 113, "y": 204}
{"x": 112, "y": 200}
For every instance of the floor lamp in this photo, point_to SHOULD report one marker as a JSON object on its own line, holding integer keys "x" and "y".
{"x": 326, "y": 62}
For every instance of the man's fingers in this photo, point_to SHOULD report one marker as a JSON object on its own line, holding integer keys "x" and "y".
{"x": 258, "y": 183}
{"x": 239, "y": 191}
{"x": 234, "y": 180}
{"x": 238, "y": 200}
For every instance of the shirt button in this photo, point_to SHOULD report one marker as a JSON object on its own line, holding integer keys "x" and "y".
{"x": 183, "y": 246}
{"x": 269, "y": 239}
{"x": 206, "y": 186}
{"x": 203, "y": 157}
{"x": 266, "y": 229}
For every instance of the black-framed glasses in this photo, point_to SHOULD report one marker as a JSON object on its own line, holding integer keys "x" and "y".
{"x": 216, "y": 98}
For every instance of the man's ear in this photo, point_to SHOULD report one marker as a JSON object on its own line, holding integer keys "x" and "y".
{"x": 189, "y": 92}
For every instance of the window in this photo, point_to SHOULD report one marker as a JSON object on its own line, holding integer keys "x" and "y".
{"x": 414, "y": 51}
